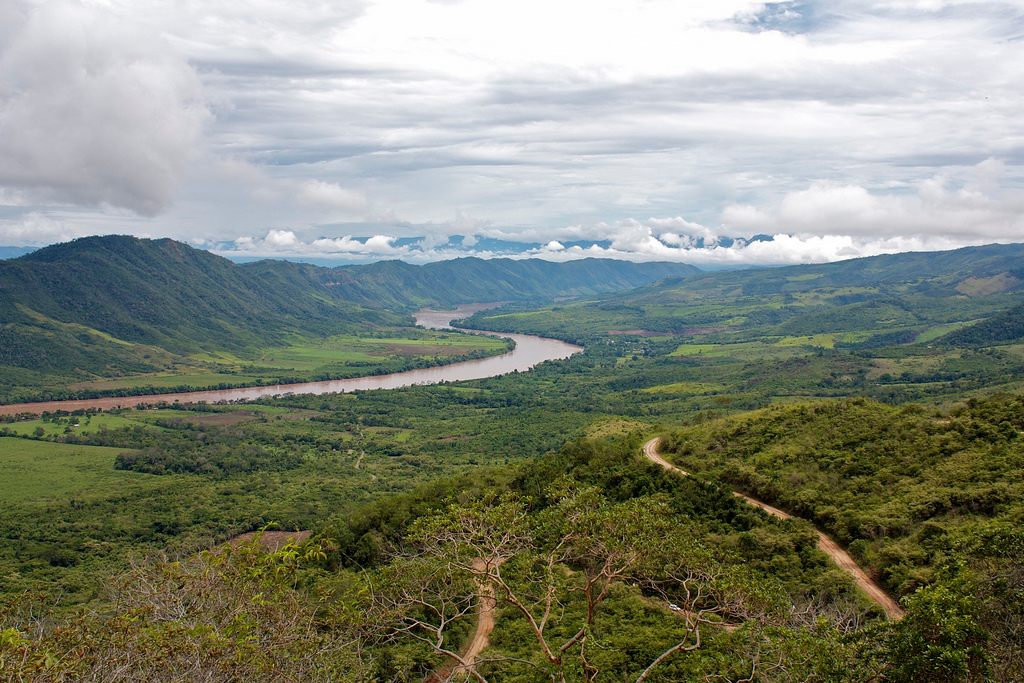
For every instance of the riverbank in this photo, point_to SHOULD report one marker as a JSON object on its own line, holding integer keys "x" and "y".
{"x": 528, "y": 352}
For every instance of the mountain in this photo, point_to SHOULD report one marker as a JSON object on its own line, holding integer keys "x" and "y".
{"x": 401, "y": 285}
{"x": 878, "y": 300}
{"x": 165, "y": 293}
{"x": 1004, "y": 327}
{"x": 168, "y": 294}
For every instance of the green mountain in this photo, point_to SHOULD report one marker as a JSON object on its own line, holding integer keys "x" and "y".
{"x": 999, "y": 329}
{"x": 401, "y": 285}
{"x": 167, "y": 294}
{"x": 874, "y": 300}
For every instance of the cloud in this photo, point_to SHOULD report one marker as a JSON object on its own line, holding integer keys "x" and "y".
{"x": 780, "y": 249}
{"x": 297, "y": 199}
{"x": 95, "y": 110}
{"x": 284, "y": 243}
{"x": 36, "y": 228}
{"x": 331, "y": 195}
{"x": 966, "y": 211}
{"x": 630, "y": 240}
{"x": 653, "y": 127}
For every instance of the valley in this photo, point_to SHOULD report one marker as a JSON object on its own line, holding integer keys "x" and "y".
{"x": 118, "y": 315}
{"x": 873, "y": 404}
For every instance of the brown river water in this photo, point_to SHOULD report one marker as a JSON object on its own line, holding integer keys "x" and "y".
{"x": 529, "y": 351}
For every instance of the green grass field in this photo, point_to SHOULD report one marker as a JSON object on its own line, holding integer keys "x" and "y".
{"x": 685, "y": 388}
{"x": 165, "y": 380}
{"x": 941, "y": 330}
{"x": 33, "y": 471}
{"x": 86, "y": 424}
{"x": 344, "y": 349}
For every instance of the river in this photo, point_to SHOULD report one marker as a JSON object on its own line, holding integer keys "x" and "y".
{"x": 529, "y": 351}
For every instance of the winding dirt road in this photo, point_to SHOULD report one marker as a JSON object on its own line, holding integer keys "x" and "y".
{"x": 826, "y": 544}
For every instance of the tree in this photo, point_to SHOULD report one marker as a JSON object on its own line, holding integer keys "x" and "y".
{"x": 554, "y": 569}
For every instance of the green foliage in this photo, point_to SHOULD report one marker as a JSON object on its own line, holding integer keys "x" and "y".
{"x": 230, "y": 614}
{"x": 1000, "y": 328}
{"x": 900, "y": 485}
{"x": 416, "y": 484}
{"x": 940, "y": 639}
{"x": 221, "y": 459}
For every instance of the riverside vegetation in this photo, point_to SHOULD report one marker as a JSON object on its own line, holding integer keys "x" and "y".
{"x": 877, "y": 399}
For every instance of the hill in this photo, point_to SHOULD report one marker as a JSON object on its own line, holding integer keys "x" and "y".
{"x": 167, "y": 294}
{"x": 903, "y": 294}
{"x": 1001, "y": 328}
{"x": 465, "y": 280}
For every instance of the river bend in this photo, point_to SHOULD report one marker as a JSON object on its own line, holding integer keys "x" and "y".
{"x": 529, "y": 352}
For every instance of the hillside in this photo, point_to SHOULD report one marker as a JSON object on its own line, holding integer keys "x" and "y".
{"x": 1000, "y": 328}
{"x": 401, "y": 285}
{"x": 167, "y": 294}
{"x": 875, "y": 294}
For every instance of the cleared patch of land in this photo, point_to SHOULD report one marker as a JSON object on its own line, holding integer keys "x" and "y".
{"x": 40, "y": 470}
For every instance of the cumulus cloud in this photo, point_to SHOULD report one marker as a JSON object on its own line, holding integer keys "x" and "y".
{"x": 283, "y": 243}
{"x": 780, "y": 249}
{"x": 94, "y": 110}
{"x": 632, "y": 240}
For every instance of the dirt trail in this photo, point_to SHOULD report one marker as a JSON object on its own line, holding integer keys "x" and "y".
{"x": 481, "y": 637}
{"x": 826, "y": 544}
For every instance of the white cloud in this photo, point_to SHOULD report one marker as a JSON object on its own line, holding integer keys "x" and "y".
{"x": 782, "y": 249}
{"x": 652, "y": 125}
{"x": 95, "y": 110}
{"x": 283, "y": 243}
{"x": 331, "y": 196}
{"x": 969, "y": 211}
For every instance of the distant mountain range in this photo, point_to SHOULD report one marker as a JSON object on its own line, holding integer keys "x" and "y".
{"x": 964, "y": 298}
{"x": 463, "y": 245}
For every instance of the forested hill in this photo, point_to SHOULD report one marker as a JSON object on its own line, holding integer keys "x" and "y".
{"x": 1004, "y": 327}
{"x": 875, "y": 301}
{"x": 398, "y": 284}
{"x": 164, "y": 293}
{"x": 969, "y": 271}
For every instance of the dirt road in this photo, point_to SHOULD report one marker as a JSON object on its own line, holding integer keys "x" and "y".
{"x": 487, "y": 606}
{"x": 826, "y": 544}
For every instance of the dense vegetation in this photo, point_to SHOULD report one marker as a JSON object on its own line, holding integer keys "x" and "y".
{"x": 837, "y": 392}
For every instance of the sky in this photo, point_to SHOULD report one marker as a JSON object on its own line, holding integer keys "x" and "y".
{"x": 714, "y": 132}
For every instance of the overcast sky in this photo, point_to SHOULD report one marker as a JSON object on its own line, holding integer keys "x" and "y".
{"x": 840, "y": 128}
